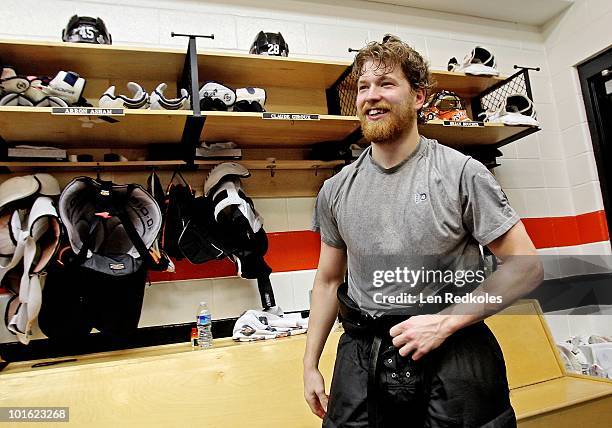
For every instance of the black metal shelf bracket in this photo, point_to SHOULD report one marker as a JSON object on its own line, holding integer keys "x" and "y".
{"x": 493, "y": 97}
{"x": 194, "y": 124}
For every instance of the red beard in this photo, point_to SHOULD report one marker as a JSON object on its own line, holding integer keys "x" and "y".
{"x": 400, "y": 118}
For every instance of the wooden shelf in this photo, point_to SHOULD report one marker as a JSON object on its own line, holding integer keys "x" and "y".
{"x": 296, "y": 85}
{"x": 277, "y": 165}
{"x": 250, "y": 130}
{"x": 464, "y": 85}
{"x": 489, "y": 134}
{"x": 259, "y": 70}
{"x": 99, "y": 61}
{"x": 137, "y": 128}
{"x": 166, "y": 65}
{"x": 67, "y": 166}
{"x": 122, "y": 63}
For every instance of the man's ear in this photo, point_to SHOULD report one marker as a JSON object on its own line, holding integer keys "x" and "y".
{"x": 419, "y": 99}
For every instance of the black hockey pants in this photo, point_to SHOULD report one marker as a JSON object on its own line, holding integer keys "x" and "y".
{"x": 460, "y": 384}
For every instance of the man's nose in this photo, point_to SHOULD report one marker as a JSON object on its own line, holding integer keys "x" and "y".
{"x": 373, "y": 94}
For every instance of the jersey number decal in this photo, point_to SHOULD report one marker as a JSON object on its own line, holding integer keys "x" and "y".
{"x": 273, "y": 49}
{"x": 86, "y": 33}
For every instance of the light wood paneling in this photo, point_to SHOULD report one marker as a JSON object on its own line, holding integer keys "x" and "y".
{"x": 142, "y": 127}
{"x": 463, "y": 84}
{"x": 530, "y": 358}
{"x": 259, "y": 384}
{"x": 250, "y": 130}
{"x": 136, "y": 128}
{"x": 100, "y": 61}
{"x": 564, "y": 402}
{"x": 285, "y": 184}
{"x": 79, "y": 166}
{"x": 295, "y": 100}
{"x": 455, "y": 136}
{"x": 277, "y": 165}
{"x": 121, "y": 63}
{"x": 260, "y": 70}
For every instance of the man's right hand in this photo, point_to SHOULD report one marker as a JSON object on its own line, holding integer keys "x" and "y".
{"x": 314, "y": 391}
{"x": 323, "y": 313}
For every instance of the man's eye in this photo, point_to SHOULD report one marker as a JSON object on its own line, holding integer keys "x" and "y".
{"x": 387, "y": 84}
{"x": 363, "y": 87}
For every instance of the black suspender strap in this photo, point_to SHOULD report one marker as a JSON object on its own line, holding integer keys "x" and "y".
{"x": 372, "y": 383}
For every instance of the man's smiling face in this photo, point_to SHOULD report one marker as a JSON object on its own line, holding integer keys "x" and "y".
{"x": 386, "y": 103}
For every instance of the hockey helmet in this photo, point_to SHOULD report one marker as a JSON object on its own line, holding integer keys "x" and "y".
{"x": 443, "y": 105}
{"x": 272, "y": 44}
{"x": 85, "y": 29}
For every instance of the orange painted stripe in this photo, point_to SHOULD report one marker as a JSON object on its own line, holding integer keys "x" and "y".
{"x": 550, "y": 232}
{"x": 290, "y": 251}
{"x": 287, "y": 251}
{"x": 593, "y": 227}
{"x": 299, "y": 250}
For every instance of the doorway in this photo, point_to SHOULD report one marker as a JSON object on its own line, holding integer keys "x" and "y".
{"x": 596, "y": 82}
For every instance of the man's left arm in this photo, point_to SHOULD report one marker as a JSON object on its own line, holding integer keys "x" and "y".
{"x": 519, "y": 273}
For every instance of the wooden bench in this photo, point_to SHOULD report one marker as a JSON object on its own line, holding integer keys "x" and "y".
{"x": 543, "y": 394}
{"x": 260, "y": 384}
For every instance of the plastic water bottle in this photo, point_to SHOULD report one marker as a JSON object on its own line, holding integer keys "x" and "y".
{"x": 203, "y": 323}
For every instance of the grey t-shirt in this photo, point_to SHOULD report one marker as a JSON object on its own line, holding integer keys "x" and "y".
{"x": 429, "y": 212}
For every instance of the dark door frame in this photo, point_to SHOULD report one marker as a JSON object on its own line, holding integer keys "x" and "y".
{"x": 590, "y": 75}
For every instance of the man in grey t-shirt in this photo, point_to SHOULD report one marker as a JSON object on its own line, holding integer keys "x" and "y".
{"x": 407, "y": 218}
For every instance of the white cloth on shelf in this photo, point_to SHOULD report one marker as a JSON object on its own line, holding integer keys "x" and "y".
{"x": 259, "y": 325}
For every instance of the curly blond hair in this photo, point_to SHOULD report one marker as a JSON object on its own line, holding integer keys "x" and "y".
{"x": 391, "y": 53}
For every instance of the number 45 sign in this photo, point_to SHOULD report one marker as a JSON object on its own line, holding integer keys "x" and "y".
{"x": 86, "y": 33}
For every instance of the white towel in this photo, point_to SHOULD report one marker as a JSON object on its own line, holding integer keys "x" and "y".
{"x": 259, "y": 325}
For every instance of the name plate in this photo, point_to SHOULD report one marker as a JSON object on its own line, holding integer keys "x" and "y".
{"x": 87, "y": 111}
{"x": 290, "y": 116}
{"x": 463, "y": 124}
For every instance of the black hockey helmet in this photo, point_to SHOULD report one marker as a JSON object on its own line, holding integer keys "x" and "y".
{"x": 85, "y": 29}
{"x": 272, "y": 44}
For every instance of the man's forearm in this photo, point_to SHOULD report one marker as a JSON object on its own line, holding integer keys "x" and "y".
{"x": 323, "y": 312}
{"x": 516, "y": 277}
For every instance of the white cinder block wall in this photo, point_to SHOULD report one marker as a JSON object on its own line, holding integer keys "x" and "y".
{"x": 580, "y": 33}
{"x": 534, "y": 171}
